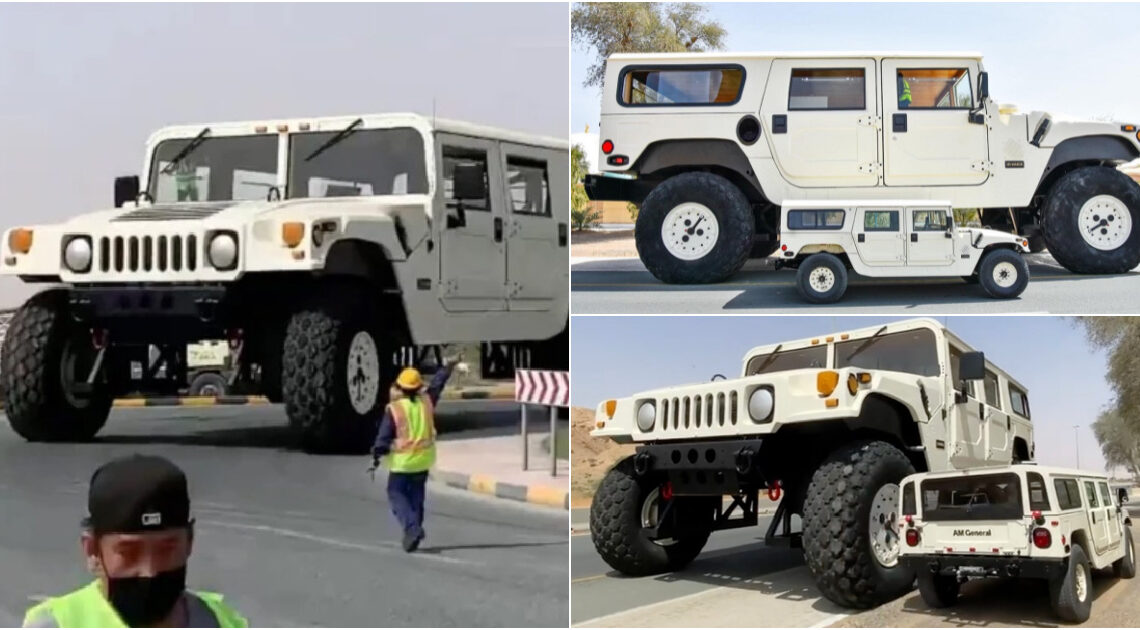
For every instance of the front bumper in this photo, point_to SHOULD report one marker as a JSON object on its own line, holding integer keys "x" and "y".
{"x": 152, "y": 312}
{"x": 703, "y": 467}
{"x": 985, "y": 566}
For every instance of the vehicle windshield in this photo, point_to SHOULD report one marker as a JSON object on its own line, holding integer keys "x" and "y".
{"x": 911, "y": 351}
{"x": 355, "y": 163}
{"x": 979, "y": 497}
{"x": 217, "y": 169}
{"x": 814, "y": 357}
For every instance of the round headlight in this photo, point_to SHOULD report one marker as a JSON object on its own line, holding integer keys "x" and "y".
{"x": 646, "y": 415}
{"x": 77, "y": 254}
{"x": 222, "y": 251}
{"x": 760, "y": 405}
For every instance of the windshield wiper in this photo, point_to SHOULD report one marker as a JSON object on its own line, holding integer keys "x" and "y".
{"x": 344, "y": 133}
{"x": 186, "y": 150}
{"x": 767, "y": 360}
{"x": 866, "y": 344}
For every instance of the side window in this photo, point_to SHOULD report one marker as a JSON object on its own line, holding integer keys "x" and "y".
{"x": 815, "y": 219}
{"x": 1105, "y": 497}
{"x": 529, "y": 188}
{"x": 1038, "y": 498}
{"x": 453, "y": 156}
{"x": 934, "y": 88}
{"x": 992, "y": 397}
{"x": 930, "y": 221}
{"x": 681, "y": 85}
{"x": 1018, "y": 401}
{"x": 1090, "y": 490}
{"x": 881, "y": 221}
{"x": 1068, "y": 493}
{"x": 827, "y": 88}
{"x": 908, "y": 499}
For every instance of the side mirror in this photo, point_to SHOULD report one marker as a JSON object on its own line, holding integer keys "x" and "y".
{"x": 972, "y": 366}
{"x": 983, "y": 87}
{"x": 126, "y": 189}
{"x": 470, "y": 182}
{"x": 1122, "y": 496}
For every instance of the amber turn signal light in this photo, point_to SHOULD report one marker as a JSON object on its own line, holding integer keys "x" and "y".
{"x": 852, "y": 384}
{"x": 20, "y": 241}
{"x": 826, "y": 381}
{"x": 292, "y": 233}
{"x": 611, "y": 407}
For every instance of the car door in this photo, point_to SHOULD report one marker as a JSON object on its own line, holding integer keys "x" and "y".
{"x": 1097, "y": 516}
{"x": 536, "y": 239}
{"x": 1112, "y": 523}
{"x": 821, "y": 119}
{"x": 929, "y": 140}
{"x": 930, "y": 237}
{"x": 879, "y": 236}
{"x": 472, "y": 250}
{"x": 996, "y": 421}
{"x": 967, "y": 448}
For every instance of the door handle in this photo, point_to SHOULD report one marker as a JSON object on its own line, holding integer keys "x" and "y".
{"x": 779, "y": 123}
{"x": 898, "y": 123}
{"x": 862, "y": 237}
{"x": 562, "y": 235}
{"x": 498, "y": 230}
{"x": 913, "y": 237}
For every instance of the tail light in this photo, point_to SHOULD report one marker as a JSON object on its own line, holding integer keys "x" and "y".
{"x": 912, "y": 537}
{"x": 607, "y": 147}
{"x": 667, "y": 491}
{"x": 1038, "y": 518}
{"x": 1042, "y": 538}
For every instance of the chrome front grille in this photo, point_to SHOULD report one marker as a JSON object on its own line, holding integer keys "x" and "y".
{"x": 714, "y": 409}
{"x": 144, "y": 254}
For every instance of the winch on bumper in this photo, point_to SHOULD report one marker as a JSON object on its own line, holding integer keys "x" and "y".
{"x": 975, "y": 566}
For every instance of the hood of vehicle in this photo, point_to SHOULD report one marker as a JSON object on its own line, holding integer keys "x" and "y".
{"x": 231, "y": 212}
{"x": 1066, "y": 126}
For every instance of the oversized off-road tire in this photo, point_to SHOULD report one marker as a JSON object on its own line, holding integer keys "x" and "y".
{"x": 336, "y": 371}
{"x": 1091, "y": 221}
{"x": 694, "y": 228}
{"x": 1003, "y": 273}
{"x": 1071, "y": 594}
{"x": 938, "y": 591}
{"x": 822, "y": 278}
{"x": 616, "y": 521}
{"x": 208, "y": 384}
{"x": 854, "y": 564}
{"x": 1125, "y": 567}
{"x": 45, "y": 352}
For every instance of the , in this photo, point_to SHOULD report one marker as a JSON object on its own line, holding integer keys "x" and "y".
{"x": 1024, "y": 521}
{"x": 732, "y": 137}
{"x": 829, "y": 426}
{"x": 316, "y": 246}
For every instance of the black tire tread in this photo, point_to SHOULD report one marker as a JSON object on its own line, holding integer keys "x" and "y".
{"x": 1125, "y": 567}
{"x": 34, "y": 400}
{"x": 1063, "y": 592}
{"x": 1059, "y": 214}
{"x": 734, "y": 213}
{"x": 985, "y": 273}
{"x": 803, "y": 280}
{"x": 836, "y": 547}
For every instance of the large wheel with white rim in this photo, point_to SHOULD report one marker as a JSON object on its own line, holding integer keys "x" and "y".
{"x": 822, "y": 278}
{"x": 45, "y": 354}
{"x": 1003, "y": 273}
{"x": 694, "y": 228}
{"x": 1071, "y": 593}
{"x": 626, "y": 504}
{"x": 1125, "y": 567}
{"x": 851, "y": 525}
{"x": 1091, "y": 221}
{"x": 334, "y": 374}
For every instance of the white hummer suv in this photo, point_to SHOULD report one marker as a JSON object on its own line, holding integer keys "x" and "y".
{"x": 1022, "y": 521}
{"x": 901, "y": 239}
{"x": 740, "y": 134}
{"x": 319, "y": 246}
{"x": 831, "y": 425}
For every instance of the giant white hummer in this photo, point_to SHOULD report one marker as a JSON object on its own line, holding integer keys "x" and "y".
{"x": 829, "y": 427}
{"x": 319, "y": 246}
{"x": 727, "y": 138}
